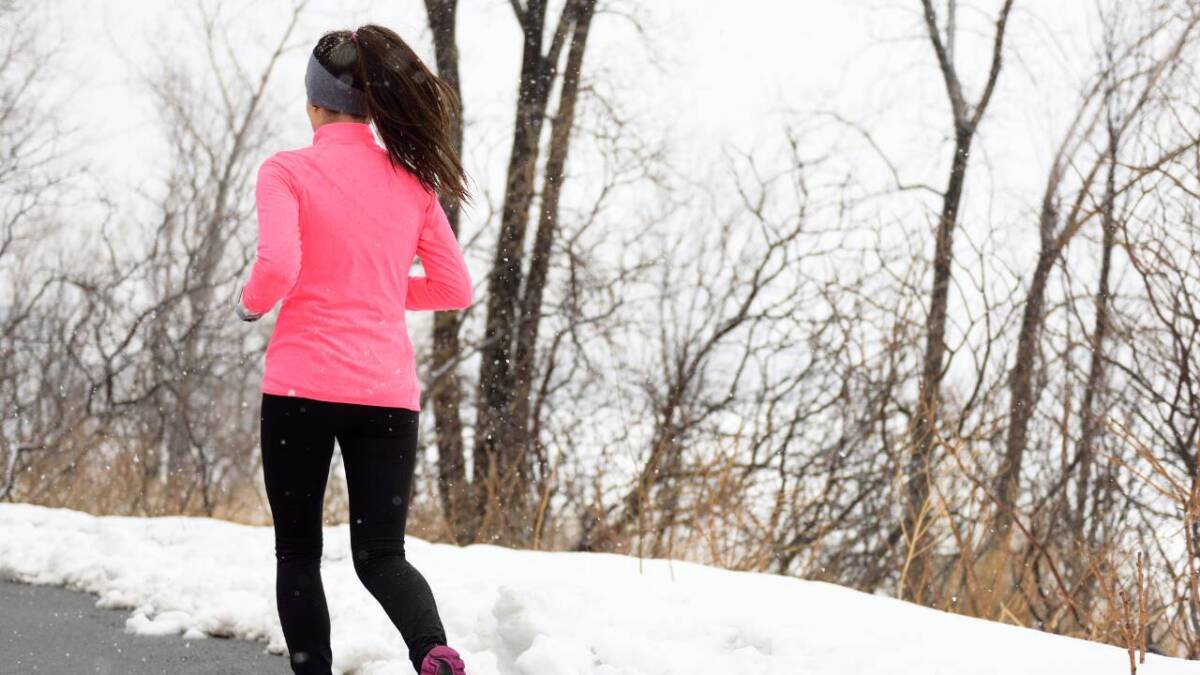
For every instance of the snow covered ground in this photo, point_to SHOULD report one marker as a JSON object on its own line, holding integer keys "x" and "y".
{"x": 531, "y": 613}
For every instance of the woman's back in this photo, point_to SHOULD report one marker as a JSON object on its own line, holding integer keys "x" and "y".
{"x": 338, "y": 230}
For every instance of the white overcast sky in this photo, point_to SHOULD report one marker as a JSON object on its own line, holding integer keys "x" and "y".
{"x": 702, "y": 74}
{"x": 717, "y": 71}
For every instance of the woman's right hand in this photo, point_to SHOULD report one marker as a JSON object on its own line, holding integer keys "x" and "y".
{"x": 243, "y": 313}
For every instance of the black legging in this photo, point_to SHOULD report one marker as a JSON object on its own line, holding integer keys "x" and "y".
{"x": 378, "y": 448}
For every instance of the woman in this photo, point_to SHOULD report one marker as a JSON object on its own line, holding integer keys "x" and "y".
{"x": 340, "y": 222}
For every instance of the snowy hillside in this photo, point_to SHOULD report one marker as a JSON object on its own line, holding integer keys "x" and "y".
{"x": 531, "y": 613}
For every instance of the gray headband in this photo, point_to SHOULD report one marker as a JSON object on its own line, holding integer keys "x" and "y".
{"x": 329, "y": 92}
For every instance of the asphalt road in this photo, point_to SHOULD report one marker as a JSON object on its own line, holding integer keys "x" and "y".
{"x": 55, "y": 631}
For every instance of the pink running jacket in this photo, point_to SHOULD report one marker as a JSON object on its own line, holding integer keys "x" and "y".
{"x": 338, "y": 228}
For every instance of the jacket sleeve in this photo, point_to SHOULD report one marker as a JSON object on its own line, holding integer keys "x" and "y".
{"x": 277, "y": 257}
{"x": 447, "y": 281}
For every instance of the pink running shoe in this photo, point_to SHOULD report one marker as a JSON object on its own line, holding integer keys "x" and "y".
{"x": 442, "y": 660}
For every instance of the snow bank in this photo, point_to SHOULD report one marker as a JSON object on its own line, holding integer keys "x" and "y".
{"x": 530, "y": 613}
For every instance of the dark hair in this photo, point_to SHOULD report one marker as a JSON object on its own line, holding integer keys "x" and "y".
{"x": 414, "y": 110}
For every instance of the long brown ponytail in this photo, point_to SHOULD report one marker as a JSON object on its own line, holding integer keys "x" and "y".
{"x": 414, "y": 110}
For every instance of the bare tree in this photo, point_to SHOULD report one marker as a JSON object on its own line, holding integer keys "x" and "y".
{"x": 495, "y": 502}
{"x": 966, "y": 117}
{"x": 42, "y": 393}
{"x": 163, "y": 356}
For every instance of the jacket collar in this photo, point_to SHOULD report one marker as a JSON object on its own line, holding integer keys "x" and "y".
{"x": 344, "y": 133}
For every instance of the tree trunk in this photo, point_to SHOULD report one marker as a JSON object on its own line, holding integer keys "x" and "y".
{"x": 1021, "y": 398}
{"x": 925, "y": 420}
{"x": 1097, "y": 378}
{"x": 531, "y": 303}
{"x": 445, "y": 393}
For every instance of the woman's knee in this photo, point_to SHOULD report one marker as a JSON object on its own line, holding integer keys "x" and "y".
{"x": 298, "y": 550}
{"x": 369, "y": 555}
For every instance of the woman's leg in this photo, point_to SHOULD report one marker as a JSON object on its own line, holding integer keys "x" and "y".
{"x": 297, "y": 445}
{"x": 379, "y": 452}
